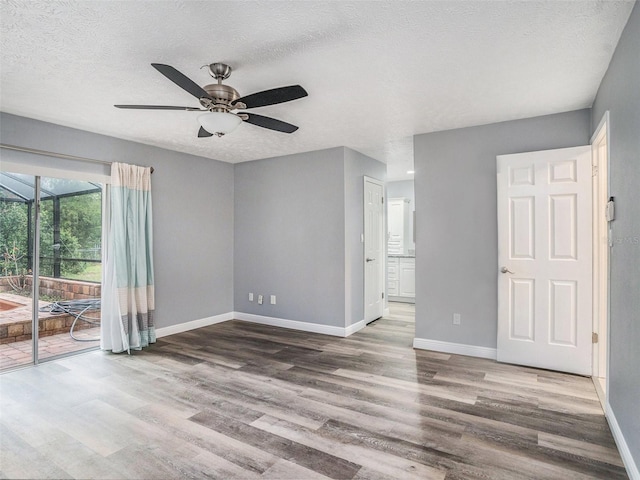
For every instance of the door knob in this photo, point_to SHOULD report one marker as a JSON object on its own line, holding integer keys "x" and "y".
{"x": 370, "y": 259}
{"x": 505, "y": 270}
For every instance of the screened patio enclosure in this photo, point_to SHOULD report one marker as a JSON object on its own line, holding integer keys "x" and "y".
{"x": 70, "y": 219}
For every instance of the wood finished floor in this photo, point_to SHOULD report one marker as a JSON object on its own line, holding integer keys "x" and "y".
{"x": 246, "y": 401}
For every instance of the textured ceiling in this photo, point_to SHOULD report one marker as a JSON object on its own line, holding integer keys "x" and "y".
{"x": 376, "y": 72}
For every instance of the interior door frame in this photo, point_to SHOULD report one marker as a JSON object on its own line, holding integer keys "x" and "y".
{"x": 601, "y": 256}
{"x": 381, "y": 233}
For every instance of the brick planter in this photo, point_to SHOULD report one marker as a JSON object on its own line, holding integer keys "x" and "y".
{"x": 60, "y": 288}
{"x": 16, "y": 324}
{"x": 18, "y": 331}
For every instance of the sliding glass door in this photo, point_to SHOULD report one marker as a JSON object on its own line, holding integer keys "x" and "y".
{"x": 52, "y": 263}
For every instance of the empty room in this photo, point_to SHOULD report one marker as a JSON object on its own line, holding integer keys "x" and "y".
{"x": 359, "y": 240}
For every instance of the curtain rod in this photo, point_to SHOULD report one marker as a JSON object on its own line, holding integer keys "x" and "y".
{"x": 53, "y": 154}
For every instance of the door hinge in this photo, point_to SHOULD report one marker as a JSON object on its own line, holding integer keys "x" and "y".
{"x": 383, "y": 295}
{"x": 383, "y": 200}
{"x": 594, "y": 337}
{"x": 594, "y": 170}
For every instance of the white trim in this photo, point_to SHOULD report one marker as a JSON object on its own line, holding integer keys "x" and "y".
{"x": 193, "y": 324}
{"x": 354, "y": 327}
{"x": 36, "y": 170}
{"x": 411, "y": 300}
{"x": 600, "y": 392}
{"x": 292, "y": 324}
{"x": 600, "y": 277}
{"x": 260, "y": 319}
{"x": 596, "y": 132}
{"x": 374, "y": 180}
{"x": 457, "y": 348}
{"x": 386, "y": 312}
{"x": 623, "y": 448}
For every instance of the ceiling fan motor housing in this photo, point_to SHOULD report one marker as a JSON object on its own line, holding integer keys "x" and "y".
{"x": 221, "y": 97}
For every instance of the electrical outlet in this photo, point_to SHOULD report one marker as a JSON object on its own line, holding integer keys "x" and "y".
{"x": 251, "y": 297}
{"x": 456, "y": 319}
{"x": 273, "y": 299}
{"x": 259, "y": 299}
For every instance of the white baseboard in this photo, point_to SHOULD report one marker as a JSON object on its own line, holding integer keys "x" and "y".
{"x": 623, "y": 448}
{"x": 386, "y": 312}
{"x": 354, "y": 327}
{"x": 296, "y": 325}
{"x": 457, "y": 348}
{"x": 273, "y": 321}
{"x": 193, "y": 324}
{"x": 411, "y": 300}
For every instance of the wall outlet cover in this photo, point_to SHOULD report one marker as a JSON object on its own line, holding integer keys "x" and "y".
{"x": 260, "y": 299}
{"x": 273, "y": 299}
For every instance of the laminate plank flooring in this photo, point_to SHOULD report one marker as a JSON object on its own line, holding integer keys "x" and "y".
{"x": 244, "y": 401}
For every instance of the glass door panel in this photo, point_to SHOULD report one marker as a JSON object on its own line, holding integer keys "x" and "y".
{"x": 17, "y": 214}
{"x": 70, "y": 266}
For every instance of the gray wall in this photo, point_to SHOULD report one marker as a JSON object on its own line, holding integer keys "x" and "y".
{"x": 404, "y": 189}
{"x": 298, "y": 221}
{"x": 289, "y": 236}
{"x": 620, "y": 94}
{"x": 456, "y": 219}
{"x": 356, "y": 167}
{"x": 192, "y": 207}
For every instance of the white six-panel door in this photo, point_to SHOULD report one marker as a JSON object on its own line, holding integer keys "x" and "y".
{"x": 373, "y": 249}
{"x": 544, "y": 254}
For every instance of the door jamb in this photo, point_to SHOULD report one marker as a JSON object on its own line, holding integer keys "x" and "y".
{"x": 601, "y": 276}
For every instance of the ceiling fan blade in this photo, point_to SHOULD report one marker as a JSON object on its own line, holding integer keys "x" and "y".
{"x": 203, "y": 133}
{"x": 273, "y": 96}
{"x": 270, "y": 123}
{"x": 161, "y": 107}
{"x": 181, "y": 80}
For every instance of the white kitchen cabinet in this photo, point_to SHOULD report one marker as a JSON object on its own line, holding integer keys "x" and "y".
{"x": 392, "y": 276}
{"x": 399, "y": 226}
{"x": 407, "y": 277}
{"x": 401, "y": 279}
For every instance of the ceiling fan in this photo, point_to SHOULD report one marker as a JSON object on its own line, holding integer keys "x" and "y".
{"x": 220, "y": 102}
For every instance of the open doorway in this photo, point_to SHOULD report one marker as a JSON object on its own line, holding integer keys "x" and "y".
{"x": 401, "y": 246}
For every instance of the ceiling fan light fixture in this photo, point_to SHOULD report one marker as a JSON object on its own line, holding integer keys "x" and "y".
{"x": 219, "y": 123}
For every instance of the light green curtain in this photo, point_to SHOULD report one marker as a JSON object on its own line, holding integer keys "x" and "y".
{"x": 128, "y": 302}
